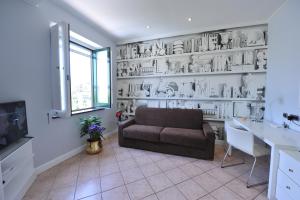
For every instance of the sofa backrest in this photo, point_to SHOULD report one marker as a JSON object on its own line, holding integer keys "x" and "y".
{"x": 175, "y": 118}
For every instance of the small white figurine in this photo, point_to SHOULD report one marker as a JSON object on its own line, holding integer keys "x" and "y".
{"x": 261, "y": 58}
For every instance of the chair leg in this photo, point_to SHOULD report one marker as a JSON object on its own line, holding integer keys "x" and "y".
{"x": 229, "y": 165}
{"x": 249, "y": 177}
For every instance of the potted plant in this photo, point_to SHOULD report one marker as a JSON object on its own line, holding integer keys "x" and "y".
{"x": 92, "y": 127}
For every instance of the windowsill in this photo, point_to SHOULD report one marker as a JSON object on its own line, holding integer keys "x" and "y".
{"x": 88, "y": 110}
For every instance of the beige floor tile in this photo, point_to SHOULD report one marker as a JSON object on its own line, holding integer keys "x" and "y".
{"x": 237, "y": 170}
{"x": 110, "y": 160}
{"x": 178, "y": 161}
{"x": 139, "y": 189}
{"x": 151, "y": 169}
{"x": 111, "y": 181}
{"x": 157, "y": 157}
{"x": 165, "y": 164}
{"x": 255, "y": 179}
{"x": 120, "y": 150}
{"x": 127, "y": 164}
{"x": 109, "y": 169}
{"x": 207, "y": 197}
{"x": 240, "y": 188}
{"x": 93, "y": 197}
{"x": 159, "y": 182}
{"x": 205, "y": 165}
{"x": 88, "y": 188}
{"x": 171, "y": 193}
{"x": 191, "y": 190}
{"x": 220, "y": 175}
{"x": 88, "y": 173}
{"x": 136, "y": 152}
{"x": 176, "y": 175}
{"x": 119, "y": 193}
{"x": 225, "y": 193}
{"x": 66, "y": 193}
{"x": 123, "y": 156}
{"x": 116, "y": 164}
{"x": 191, "y": 170}
{"x": 132, "y": 175}
{"x": 50, "y": 173}
{"x": 151, "y": 197}
{"x": 207, "y": 182}
{"x": 90, "y": 160}
{"x": 143, "y": 160}
{"x": 43, "y": 185}
{"x": 67, "y": 170}
{"x": 65, "y": 180}
{"x": 36, "y": 196}
{"x": 262, "y": 196}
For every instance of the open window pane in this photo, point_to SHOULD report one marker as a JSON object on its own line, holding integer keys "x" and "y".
{"x": 81, "y": 78}
{"x": 103, "y": 96}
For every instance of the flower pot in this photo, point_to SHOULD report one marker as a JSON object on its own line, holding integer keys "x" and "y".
{"x": 93, "y": 146}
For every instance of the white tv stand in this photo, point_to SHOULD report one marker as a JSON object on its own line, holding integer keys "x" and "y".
{"x": 17, "y": 170}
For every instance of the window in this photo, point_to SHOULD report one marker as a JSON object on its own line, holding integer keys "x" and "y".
{"x": 90, "y": 78}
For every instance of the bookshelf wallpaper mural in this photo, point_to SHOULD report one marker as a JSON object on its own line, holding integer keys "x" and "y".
{"x": 222, "y": 72}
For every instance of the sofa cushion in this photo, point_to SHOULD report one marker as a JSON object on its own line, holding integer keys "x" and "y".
{"x": 150, "y": 116}
{"x": 184, "y": 137}
{"x": 174, "y": 118}
{"x": 184, "y": 118}
{"x": 142, "y": 132}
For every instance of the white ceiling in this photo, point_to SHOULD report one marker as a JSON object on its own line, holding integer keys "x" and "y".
{"x": 126, "y": 20}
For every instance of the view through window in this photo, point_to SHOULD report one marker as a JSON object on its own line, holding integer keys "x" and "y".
{"x": 90, "y": 78}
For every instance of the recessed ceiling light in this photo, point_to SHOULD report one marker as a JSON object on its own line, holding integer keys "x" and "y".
{"x": 189, "y": 19}
{"x": 147, "y": 27}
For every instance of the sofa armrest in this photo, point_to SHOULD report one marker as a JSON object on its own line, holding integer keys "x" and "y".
{"x": 208, "y": 132}
{"x": 125, "y": 124}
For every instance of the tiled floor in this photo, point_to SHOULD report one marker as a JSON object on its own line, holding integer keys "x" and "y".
{"x": 121, "y": 173}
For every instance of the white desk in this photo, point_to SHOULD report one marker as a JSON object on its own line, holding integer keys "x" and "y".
{"x": 277, "y": 138}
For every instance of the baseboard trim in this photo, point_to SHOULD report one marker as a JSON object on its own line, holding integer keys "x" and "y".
{"x": 40, "y": 169}
{"x": 58, "y": 160}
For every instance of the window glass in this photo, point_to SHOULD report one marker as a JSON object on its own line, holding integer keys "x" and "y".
{"x": 81, "y": 77}
{"x": 103, "y": 77}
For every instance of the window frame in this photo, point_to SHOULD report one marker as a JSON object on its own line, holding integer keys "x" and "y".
{"x": 94, "y": 91}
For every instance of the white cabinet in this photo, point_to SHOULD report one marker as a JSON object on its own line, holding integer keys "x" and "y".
{"x": 288, "y": 176}
{"x": 17, "y": 170}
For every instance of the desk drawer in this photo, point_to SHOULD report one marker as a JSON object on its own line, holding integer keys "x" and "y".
{"x": 281, "y": 194}
{"x": 286, "y": 185}
{"x": 290, "y": 166}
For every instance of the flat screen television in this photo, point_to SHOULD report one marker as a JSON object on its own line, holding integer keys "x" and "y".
{"x": 13, "y": 122}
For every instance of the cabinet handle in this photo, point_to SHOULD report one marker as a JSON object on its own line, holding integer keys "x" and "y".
{"x": 290, "y": 170}
{"x": 3, "y": 182}
{"x": 288, "y": 187}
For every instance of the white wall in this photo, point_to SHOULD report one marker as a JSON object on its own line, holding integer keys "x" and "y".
{"x": 283, "y": 77}
{"x": 25, "y": 73}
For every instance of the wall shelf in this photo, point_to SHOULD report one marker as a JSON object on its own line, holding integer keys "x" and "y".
{"x": 197, "y": 74}
{"x": 188, "y": 99}
{"x": 196, "y": 53}
{"x": 198, "y": 78}
{"x": 205, "y": 118}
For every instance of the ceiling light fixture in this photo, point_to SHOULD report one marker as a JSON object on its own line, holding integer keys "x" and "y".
{"x": 148, "y": 27}
{"x": 189, "y": 19}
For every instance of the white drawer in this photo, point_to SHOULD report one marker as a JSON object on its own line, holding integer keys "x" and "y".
{"x": 290, "y": 164}
{"x": 281, "y": 195}
{"x": 287, "y": 186}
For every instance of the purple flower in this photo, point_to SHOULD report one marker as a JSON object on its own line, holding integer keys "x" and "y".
{"x": 95, "y": 129}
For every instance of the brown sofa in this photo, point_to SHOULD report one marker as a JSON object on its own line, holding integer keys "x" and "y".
{"x": 172, "y": 131}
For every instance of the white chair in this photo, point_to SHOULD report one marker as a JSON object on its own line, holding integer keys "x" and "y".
{"x": 244, "y": 140}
